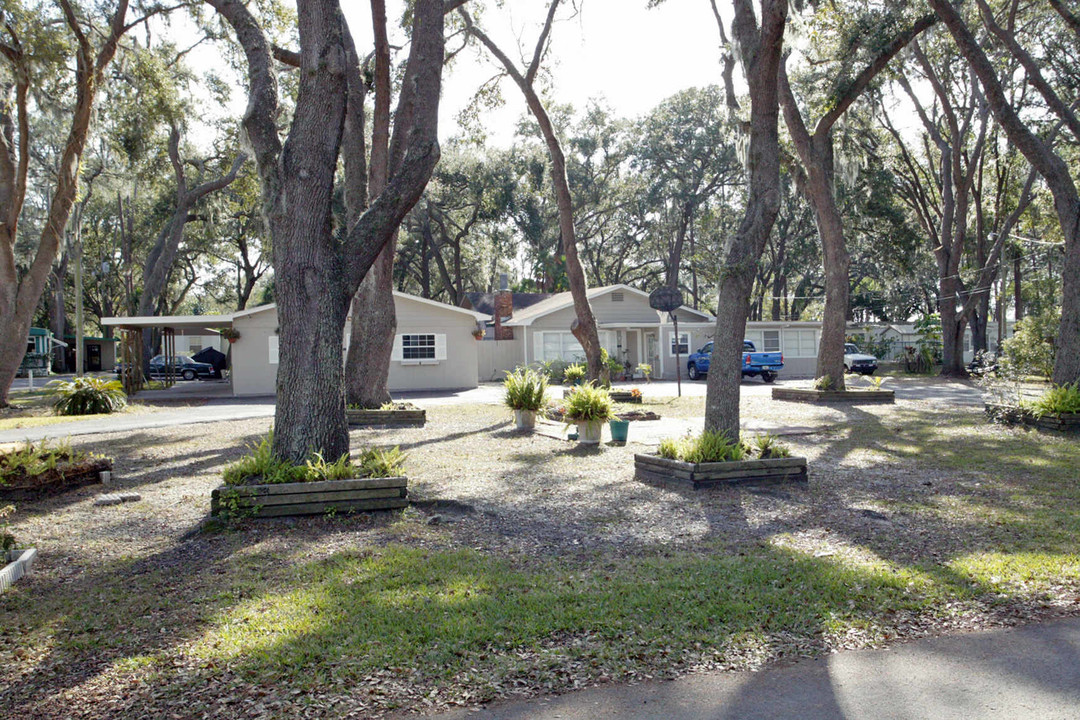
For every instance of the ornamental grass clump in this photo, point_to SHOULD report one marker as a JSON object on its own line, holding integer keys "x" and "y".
{"x": 1058, "y": 400}
{"x": 769, "y": 446}
{"x": 525, "y": 389}
{"x": 87, "y": 396}
{"x": 589, "y": 404}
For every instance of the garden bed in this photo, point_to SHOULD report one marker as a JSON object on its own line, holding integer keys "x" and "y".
{"x": 1015, "y": 415}
{"x": 310, "y": 498}
{"x": 401, "y": 415}
{"x": 19, "y": 563}
{"x": 65, "y": 476}
{"x": 625, "y": 396}
{"x": 637, "y": 415}
{"x": 855, "y": 397}
{"x": 702, "y": 475}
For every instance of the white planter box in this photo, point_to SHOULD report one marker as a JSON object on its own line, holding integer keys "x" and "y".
{"x": 19, "y": 564}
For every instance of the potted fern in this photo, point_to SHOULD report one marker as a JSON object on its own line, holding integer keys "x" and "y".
{"x": 525, "y": 395}
{"x": 589, "y": 407}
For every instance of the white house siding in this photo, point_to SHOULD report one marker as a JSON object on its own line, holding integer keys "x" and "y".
{"x": 457, "y": 370}
{"x": 254, "y": 354}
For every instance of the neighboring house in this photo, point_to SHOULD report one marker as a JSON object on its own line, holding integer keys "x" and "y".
{"x": 99, "y": 353}
{"x": 39, "y": 343}
{"x": 629, "y": 329}
{"x": 434, "y": 348}
{"x": 901, "y": 336}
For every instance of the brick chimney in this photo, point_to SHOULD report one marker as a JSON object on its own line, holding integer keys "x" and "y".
{"x": 504, "y": 309}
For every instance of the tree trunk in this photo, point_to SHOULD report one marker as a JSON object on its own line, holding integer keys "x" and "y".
{"x": 837, "y": 262}
{"x": 584, "y": 325}
{"x": 761, "y": 52}
{"x": 374, "y": 322}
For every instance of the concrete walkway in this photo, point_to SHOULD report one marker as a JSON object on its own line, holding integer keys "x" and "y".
{"x": 1015, "y": 674}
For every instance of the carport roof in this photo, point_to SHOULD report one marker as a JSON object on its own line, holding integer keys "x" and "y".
{"x": 204, "y": 324}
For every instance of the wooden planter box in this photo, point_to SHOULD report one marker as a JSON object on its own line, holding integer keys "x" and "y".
{"x": 310, "y": 498}
{"x": 19, "y": 563}
{"x": 855, "y": 397}
{"x": 624, "y": 397}
{"x": 64, "y": 477}
{"x": 703, "y": 475}
{"x": 1012, "y": 415}
{"x": 413, "y": 417}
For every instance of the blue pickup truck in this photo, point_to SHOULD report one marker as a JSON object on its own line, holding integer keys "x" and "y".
{"x": 765, "y": 364}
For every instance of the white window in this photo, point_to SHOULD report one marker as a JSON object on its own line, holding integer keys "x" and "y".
{"x": 273, "y": 340}
{"x": 800, "y": 343}
{"x": 419, "y": 348}
{"x": 771, "y": 341}
{"x": 684, "y": 344}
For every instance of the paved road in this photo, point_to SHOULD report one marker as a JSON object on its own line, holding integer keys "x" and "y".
{"x": 1016, "y": 674}
{"x": 228, "y": 408}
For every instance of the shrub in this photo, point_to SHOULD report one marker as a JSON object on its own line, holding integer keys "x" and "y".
{"x": 378, "y": 463}
{"x": 671, "y": 448}
{"x": 525, "y": 389}
{"x": 589, "y": 404}
{"x": 87, "y": 396}
{"x": 875, "y": 382}
{"x": 1030, "y": 351}
{"x": 1058, "y": 400}
{"x": 824, "y": 383}
{"x": 7, "y": 540}
{"x": 260, "y": 465}
{"x": 32, "y": 460}
{"x": 646, "y": 371}
{"x": 554, "y": 370}
{"x": 712, "y": 446}
{"x": 769, "y": 446}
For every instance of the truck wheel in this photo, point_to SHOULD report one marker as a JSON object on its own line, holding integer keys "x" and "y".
{"x": 692, "y": 371}
{"x": 768, "y": 376}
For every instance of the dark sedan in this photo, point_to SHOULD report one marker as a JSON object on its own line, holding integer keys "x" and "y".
{"x": 182, "y": 367}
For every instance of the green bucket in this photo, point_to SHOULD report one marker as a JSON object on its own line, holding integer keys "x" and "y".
{"x": 619, "y": 430}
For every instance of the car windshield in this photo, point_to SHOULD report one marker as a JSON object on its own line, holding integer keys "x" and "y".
{"x": 850, "y": 348}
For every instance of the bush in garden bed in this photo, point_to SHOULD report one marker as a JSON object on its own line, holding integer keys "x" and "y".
{"x": 1058, "y": 400}
{"x": 34, "y": 470}
{"x": 711, "y": 447}
{"x": 262, "y": 467}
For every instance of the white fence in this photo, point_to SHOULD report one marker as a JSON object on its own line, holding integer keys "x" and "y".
{"x": 495, "y": 357}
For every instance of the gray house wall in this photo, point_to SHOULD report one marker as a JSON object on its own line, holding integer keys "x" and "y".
{"x": 458, "y": 370}
{"x": 255, "y": 353}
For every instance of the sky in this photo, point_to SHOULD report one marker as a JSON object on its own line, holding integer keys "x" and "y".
{"x": 616, "y": 50}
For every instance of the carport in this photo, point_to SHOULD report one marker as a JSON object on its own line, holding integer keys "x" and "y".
{"x": 131, "y": 340}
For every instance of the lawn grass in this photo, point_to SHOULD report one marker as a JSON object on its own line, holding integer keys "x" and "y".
{"x": 401, "y": 619}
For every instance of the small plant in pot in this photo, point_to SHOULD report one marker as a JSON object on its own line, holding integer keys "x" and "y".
{"x": 574, "y": 374}
{"x": 230, "y": 334}
{"x": 590, "y": 407}
{"x": 525, "y": 390}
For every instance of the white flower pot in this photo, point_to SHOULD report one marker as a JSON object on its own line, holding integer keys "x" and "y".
{"x": 525, "y": 419}
{"x": 589, "y": 432}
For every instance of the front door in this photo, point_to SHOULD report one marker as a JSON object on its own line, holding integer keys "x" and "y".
{"x": 93, "y": 357}
{"x": 652, "y": 351}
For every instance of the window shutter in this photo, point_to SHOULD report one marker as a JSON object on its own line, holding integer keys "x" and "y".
{"x": 440, "y": 347}
{"x": 273, "y": 341}
{"x": 396, "y": 353}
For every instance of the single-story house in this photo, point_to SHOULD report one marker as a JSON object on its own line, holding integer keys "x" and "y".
{"x": 434, "y": 348}
{"x": 99, "y": 353}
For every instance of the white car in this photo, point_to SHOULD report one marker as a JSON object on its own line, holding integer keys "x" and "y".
{"x": 857, "y": 361}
